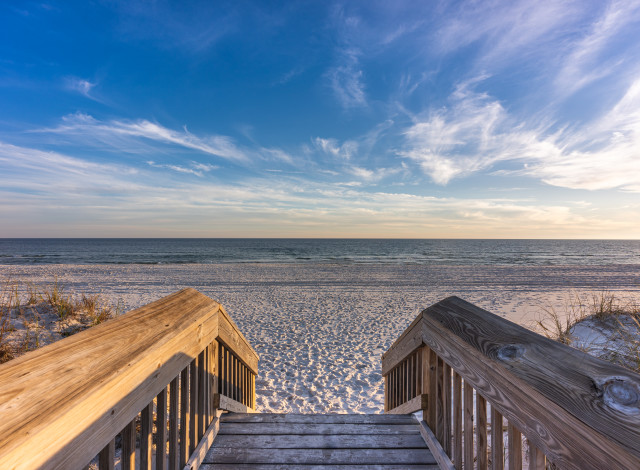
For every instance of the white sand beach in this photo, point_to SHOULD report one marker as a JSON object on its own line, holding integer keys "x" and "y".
{"x": 320, "y": 329}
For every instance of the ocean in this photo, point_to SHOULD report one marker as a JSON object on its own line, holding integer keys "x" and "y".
{"x": 78, "y": 251}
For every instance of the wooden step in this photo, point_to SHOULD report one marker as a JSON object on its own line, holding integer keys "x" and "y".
{"x": 270, "y": 441}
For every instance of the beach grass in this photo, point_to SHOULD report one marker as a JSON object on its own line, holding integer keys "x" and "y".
{"x": 32, "y": 316}
{"x": 602, "y": 324}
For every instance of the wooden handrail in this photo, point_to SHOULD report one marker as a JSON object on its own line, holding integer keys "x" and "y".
{"x": 575, "y": 410}
{"x": 63, "y": 404}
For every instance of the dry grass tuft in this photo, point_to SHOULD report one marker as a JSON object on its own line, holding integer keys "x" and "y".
{"x": 31, "y": 317}
{"x": 600, "y": 324}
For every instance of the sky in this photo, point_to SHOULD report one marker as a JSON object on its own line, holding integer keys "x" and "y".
{"x": 418, "y": 119}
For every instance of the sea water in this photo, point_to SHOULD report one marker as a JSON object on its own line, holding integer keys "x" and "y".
{"x": 269, "y": 250}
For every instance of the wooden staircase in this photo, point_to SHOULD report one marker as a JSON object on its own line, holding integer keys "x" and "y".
{"x": 318, "y": 441}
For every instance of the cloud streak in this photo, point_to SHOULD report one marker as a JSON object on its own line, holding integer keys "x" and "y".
{"x": 122, "y": 135}
{"x": 42, "y": 183}
{"x": 475, "y": 133}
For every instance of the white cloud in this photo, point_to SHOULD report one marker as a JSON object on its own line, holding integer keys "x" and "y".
{"x": 585, "y": 63}
{"x": 81, "y": 86}
{"x": 331, "y": 146}
{"x": 42, "y": 188}
{"x": 514, "y": 28}
{"x": 475, "y": 133}
{"x": 197, "y": 169}
{"x": 345, "y": 80}
{"x": 125, "y": 135}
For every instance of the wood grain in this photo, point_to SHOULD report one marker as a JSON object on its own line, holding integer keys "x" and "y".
{"x": 146, "y": 436}
{"x": 161, "y": 430}
{"x": 415, "y": 404}
{"x": 106, "y": 459}
{"x": 436, "y": 449}
{"x": 254, "y": 466}
{"x": 515, "y": 448}
{"x": 329, "y": 418}
{"x": 468, "y": 426}
{"x": 319, "y": 456}
{"x": 228, "y": 404}
{"x": 561, "y": 399}
{"x": 497, "y": 440}
{"x": 93, "y": 383}
{"x": 320, "y": 441}
{"x": 289, "y": 428}
{"x": 457, "y": 421}
{"x": 481, "y": 432}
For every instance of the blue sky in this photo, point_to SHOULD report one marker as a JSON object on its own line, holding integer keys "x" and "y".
{"x": 510, "y": 119}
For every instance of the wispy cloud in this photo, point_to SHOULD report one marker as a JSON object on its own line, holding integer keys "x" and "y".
{"x": 346, "y": 80}
{"x": 476, "y": 133}
{"x": 81, "y": 86}
{"x": 112, "y": 200}
{"x": 197, "y": 169}
{"x": 585, "y": 62}
{"x": 193, "y": 28}
{"x": 331, "y": 146}
{"x": 504, "y": 30}
{"x": 119, "y": 134}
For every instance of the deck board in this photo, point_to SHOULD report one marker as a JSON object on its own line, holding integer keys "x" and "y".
{"x": 331, "y": 418}
{"x": 321, "y": 456}
{"x": 323, "y": 441}
{"x": 310, "y": 441}
{"x": 308, "y": 428}
{"x": 316, "y": 467}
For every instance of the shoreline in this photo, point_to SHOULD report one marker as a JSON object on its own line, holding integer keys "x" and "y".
{"x": 321, "y": 328}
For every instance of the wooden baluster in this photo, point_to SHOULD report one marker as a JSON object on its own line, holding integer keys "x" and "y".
{"x": 515, "y": 447}
{"x": 221, "y": 369}
{"x": 468, "y": 426}
{"x": 174, "y": 412}
{"x": 385, "y": 379}
{"x": 129, "y": 446}
{"x": 185, "y": 417}
{"x": 537, "y": 460}
{"x": 215, "y": 370}
{"x": 418, "y": 372}
{"x": 402, "y": 382}
{"x": 193, "y": 405}
{"x": 457, "y": 421}
{"x": 146, "y": 435}
{"x": 207, "y": 381}
{"x": 161, "y": 430}
{"x": 245, "y": 385}
{"x": 106, "y": 459}
{"x": 392, "y": 404}
{"x": 439, "y": 430}
{"x": 424, "y": 379}
{"x": 410, "y": 386}
{"x": 447, "y": 409}
{"x": 228, "y": 387}
{"x": 405, "y": 383}
{"x": 253, "y": 391}
{"x": 241, "y": 382}
{"x": 202, "y": 385}
{"x": 481, "y": 432}
{"x": 234, "y": 389}
{"x": 433, "y": 388}
{"x": 497, "y": 438}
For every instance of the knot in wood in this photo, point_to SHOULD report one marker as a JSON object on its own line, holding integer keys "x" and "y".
{"x": 510, "y": 352}
{"x": 622, "y": 394}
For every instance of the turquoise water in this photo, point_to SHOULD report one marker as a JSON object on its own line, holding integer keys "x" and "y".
{"x": 233, "y": 250}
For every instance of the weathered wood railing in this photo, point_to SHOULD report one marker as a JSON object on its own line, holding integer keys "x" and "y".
{"x": 172, "y": 365}
{"x": 456, "y": 362}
